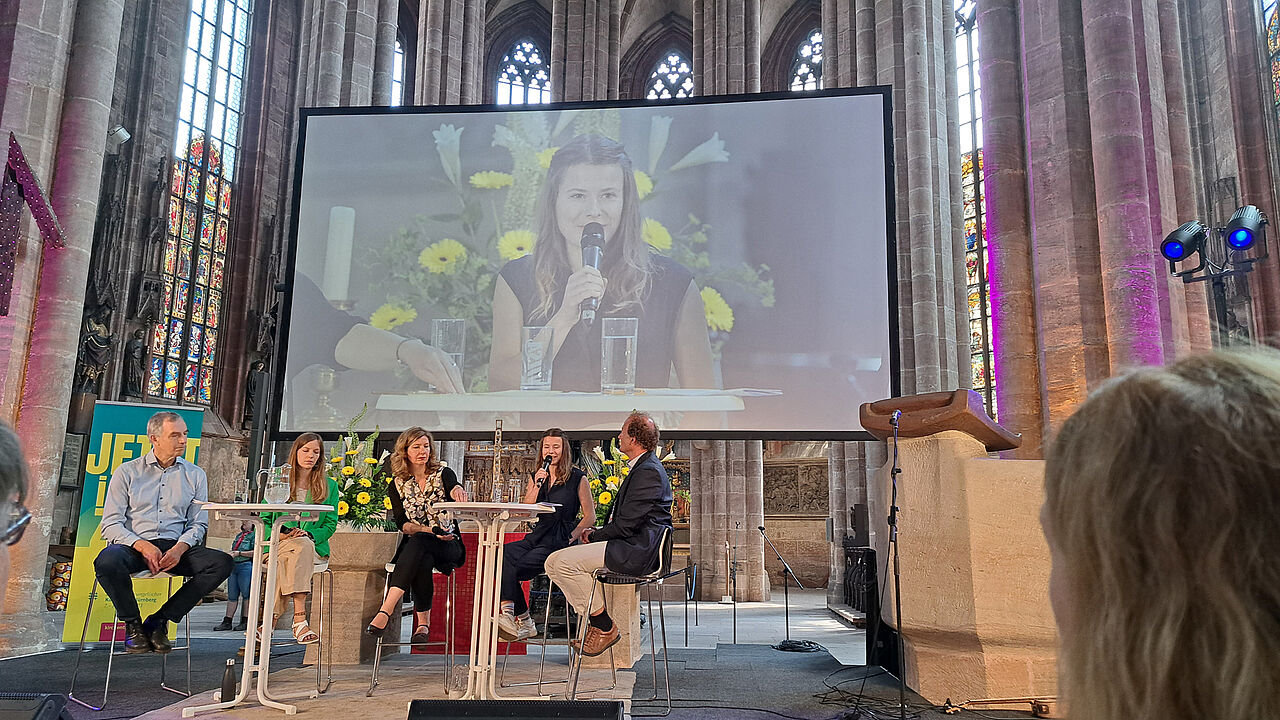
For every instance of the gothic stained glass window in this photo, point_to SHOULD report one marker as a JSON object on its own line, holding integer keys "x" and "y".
{"x": 523, "y": 76}
{"x": 981, "y": 357}
{"x": 806, "y": 67}
{"x": 201, "y": 202}
{"x": 1271, "y": 27}
{"x": 672, "y": 77}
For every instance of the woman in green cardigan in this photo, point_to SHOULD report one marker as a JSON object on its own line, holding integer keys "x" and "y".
{"x": 301, "y": 543}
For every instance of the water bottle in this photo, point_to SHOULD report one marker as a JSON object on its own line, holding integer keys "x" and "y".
{"x": 229, "y": 681}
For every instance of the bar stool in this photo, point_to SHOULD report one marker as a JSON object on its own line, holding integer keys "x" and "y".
{"x": 449, "y": 619}
{"x": 606, "y": 577}
{"x": 324, "y": 674}
{"x": 545, "y": 639}
{"x": 111, "y": 654}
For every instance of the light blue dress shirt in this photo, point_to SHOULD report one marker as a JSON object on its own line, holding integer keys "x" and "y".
{"x": 146, "y": 502}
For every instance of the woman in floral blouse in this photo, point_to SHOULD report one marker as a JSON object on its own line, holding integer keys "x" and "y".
{"x": 430, "y": 539}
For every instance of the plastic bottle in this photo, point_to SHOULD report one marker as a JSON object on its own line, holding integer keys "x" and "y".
{"x": 229, "y": 681}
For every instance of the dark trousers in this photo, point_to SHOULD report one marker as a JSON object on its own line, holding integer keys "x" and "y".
{"x": 521, "y": 560}
{"x": 205, "y": 567}
{"x": 418, "y": 554}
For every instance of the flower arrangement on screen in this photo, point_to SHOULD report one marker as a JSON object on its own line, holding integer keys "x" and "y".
{"x": 362, "y": 481}
{"x": 606, "y": 470}
{"x": 445, "y": 265}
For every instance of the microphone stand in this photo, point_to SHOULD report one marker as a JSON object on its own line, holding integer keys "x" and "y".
{"x": 894, "y": 472}
{"x": 788, "y": 644}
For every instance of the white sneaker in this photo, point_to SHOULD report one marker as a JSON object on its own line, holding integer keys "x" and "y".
{"x": 508, "y": 626}
{"x": 527, "y": 628}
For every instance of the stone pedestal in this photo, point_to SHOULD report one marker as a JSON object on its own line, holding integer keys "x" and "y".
{"x": 976, "y": 619}
{"x": 624, "y": 607}
{"x": 358, "y": 561}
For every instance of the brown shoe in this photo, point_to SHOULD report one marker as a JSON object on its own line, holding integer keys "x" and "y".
{"x": 597, "y": 640}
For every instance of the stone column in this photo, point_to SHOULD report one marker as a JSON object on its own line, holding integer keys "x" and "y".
{"x": 850, "y": 465}
{"x": 450, "y": 52}
{"x": 727, "y": 486}
{"x": 46, "y": 391}
{"x": 454, "y": 454}
{"x": 1008, "y": 222}
{"x": 586, "y": 41}
{"x": 330, "y": 52}
{"x": 384, "y": 50}
{"x": 358, "y": 52}
{"x": 726, "y": 46}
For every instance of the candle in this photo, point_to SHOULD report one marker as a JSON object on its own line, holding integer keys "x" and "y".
{"x": 337, "y": 257}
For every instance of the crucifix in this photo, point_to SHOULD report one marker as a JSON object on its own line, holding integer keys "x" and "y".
{"x": 20, "y": 186}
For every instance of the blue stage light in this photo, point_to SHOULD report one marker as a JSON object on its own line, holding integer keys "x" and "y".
{"x": 1243, "y": 229}
{"x": 1182, "y": 243}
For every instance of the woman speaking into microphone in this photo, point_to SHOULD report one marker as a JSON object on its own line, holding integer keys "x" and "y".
{"x": 556, "y": 481}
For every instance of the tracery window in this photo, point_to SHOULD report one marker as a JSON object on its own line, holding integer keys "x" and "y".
{"x": 523, "y": 77}
{"x": 397, "y": 75}
{"x": 672, "y": 77}
{"x": 981, "y": 357}
{"x": 806, "y": 68}
{"x": 184, "y": 350}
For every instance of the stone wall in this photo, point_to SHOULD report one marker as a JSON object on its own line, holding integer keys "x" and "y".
{"x": 796, "y": 500}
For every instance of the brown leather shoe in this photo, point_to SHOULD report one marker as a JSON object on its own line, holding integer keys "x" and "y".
{"x": 597, "y": 640}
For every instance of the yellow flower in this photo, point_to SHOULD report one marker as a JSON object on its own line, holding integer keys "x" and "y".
{"x": 390, "y": 315}
{"x": 544, "y": 157}
{"x": 489, "y": 180}
{"x": 595, "y": 484}
{"x": 363, "y": 498}
{"x": 352, "y": 452}
{"x": 444, "y": 257}
{"x": 348, "y": 471}
{"x": 343, "y": 507}
{"x": 719, "y": 314}
{"x": 386, "y": 503}
{"x": 644, "y": 185}
{"x": 625, "y": 469}
{"x": 370, "y": 461}
{"x": 610, "y": 462}
{"x": 365, "y": 482}
{"x": 606, "y": 497}
{"x": 613, "y": 480}
{"x": 655, "y": 234}
{"x": 335, "y": 460}
{"x": 516, "y": 243}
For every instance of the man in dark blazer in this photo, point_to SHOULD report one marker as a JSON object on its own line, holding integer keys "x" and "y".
{"x": 630, "y": 541}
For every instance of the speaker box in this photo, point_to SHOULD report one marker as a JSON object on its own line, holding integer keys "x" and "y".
{"x": 505, "y": 709}
{"x": 33, "y": 706}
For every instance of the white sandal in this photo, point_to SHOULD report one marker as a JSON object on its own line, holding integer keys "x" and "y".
{"x": 303, "y": 633}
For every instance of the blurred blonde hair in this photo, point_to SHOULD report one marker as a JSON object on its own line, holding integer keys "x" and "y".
{"x": 1163, "y": 504}
{"x": 401, "y": 468}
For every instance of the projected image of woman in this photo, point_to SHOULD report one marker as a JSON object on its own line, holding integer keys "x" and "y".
{"x": 591, "y": 180}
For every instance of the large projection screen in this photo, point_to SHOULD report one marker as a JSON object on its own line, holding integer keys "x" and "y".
{"x": 747, "y": 267}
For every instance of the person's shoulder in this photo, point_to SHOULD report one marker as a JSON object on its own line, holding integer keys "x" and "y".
{"x": 189, "y": 466}
{"x": 670, "y": 271}
{"x": 518, "y": 268}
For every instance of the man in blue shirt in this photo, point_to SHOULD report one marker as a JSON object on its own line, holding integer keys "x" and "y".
{"x": 151, "y": 521}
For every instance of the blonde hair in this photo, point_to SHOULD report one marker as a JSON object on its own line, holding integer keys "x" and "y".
{"x": 401, "y": 469}
{"x": 1163, "y": 505}
{"x": 627, "y": 265}
{"x": 316, "y": 481}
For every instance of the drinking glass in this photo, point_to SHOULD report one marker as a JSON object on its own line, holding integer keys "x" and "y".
{"x": 498, "y": 487}
{"x": 515, "y": 490}
{"x": 469, "y": 487}
{"x": 449, "y": 336}
{"x": 618, "y": 355}
{"x": 535, "y": 358}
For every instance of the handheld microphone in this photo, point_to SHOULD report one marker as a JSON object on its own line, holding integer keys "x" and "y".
{"x": 893, "y": 419}
{"x": 592, "y": 256}
{"x": 546, "y": 467}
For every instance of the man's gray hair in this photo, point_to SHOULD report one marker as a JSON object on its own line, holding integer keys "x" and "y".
{"x": 13, "y": 467}
{"x": 157, "y": 421}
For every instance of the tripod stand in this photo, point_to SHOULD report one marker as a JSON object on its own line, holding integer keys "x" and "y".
{"x": 788, "y": 644}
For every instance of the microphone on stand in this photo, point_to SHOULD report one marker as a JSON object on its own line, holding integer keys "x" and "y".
{"x": 893, "y": 419}
{"x": 592, "y": 256}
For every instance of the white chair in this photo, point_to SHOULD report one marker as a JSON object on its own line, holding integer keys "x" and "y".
{"x": 112, "y": 653}
{"x": 605, "y": 577}
{"x": 449, "y": 619}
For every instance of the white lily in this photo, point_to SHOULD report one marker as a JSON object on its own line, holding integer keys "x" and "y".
{"x": 448, "y": 144}
{"x": 708, "y": 152}
{"x": 659, "y": 129}
{"x": 599, "y": 453}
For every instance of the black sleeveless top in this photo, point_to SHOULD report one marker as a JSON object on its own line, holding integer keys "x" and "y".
{"x": 577, "y": 365}
{"x": 553, "y": 529}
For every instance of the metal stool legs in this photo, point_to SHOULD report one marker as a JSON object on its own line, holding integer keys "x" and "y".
{"x": 111, "y": 653}
{"x": 324, "y": 674}
{"x": 543, "y": 642}
{"x": 450, "y": 629}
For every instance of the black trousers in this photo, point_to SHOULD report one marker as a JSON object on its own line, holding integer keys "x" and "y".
{"x": 521, "y": 560}
{"x": 417, "y": 555}
{"x": 205, "y": 567}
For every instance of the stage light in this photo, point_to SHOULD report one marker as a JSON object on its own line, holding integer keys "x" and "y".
{"x": 1244, "y": 228}
{"x": 1182, "y": 243}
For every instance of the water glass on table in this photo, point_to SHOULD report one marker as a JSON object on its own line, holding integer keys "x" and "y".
{"x": 618, "y": 355}
{"x": 535, "y": 358}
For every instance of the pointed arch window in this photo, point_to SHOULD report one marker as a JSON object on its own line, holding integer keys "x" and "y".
{"x": 806, "y": 67}
{"x": 981, "y": 356}
{"x": 1271, "y": 28}
{"x": 184, "y": 351}
{"x": 523, "y": 77}
{"x": 672, "y": 77}
{"x": 397, "y": 75}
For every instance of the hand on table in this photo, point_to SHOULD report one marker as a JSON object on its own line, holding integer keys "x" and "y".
{"x": 431, "y": 365}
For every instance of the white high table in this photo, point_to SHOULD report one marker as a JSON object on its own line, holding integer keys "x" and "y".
{"x": 494, "y": 520}
{"x": 289, "y": 512}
